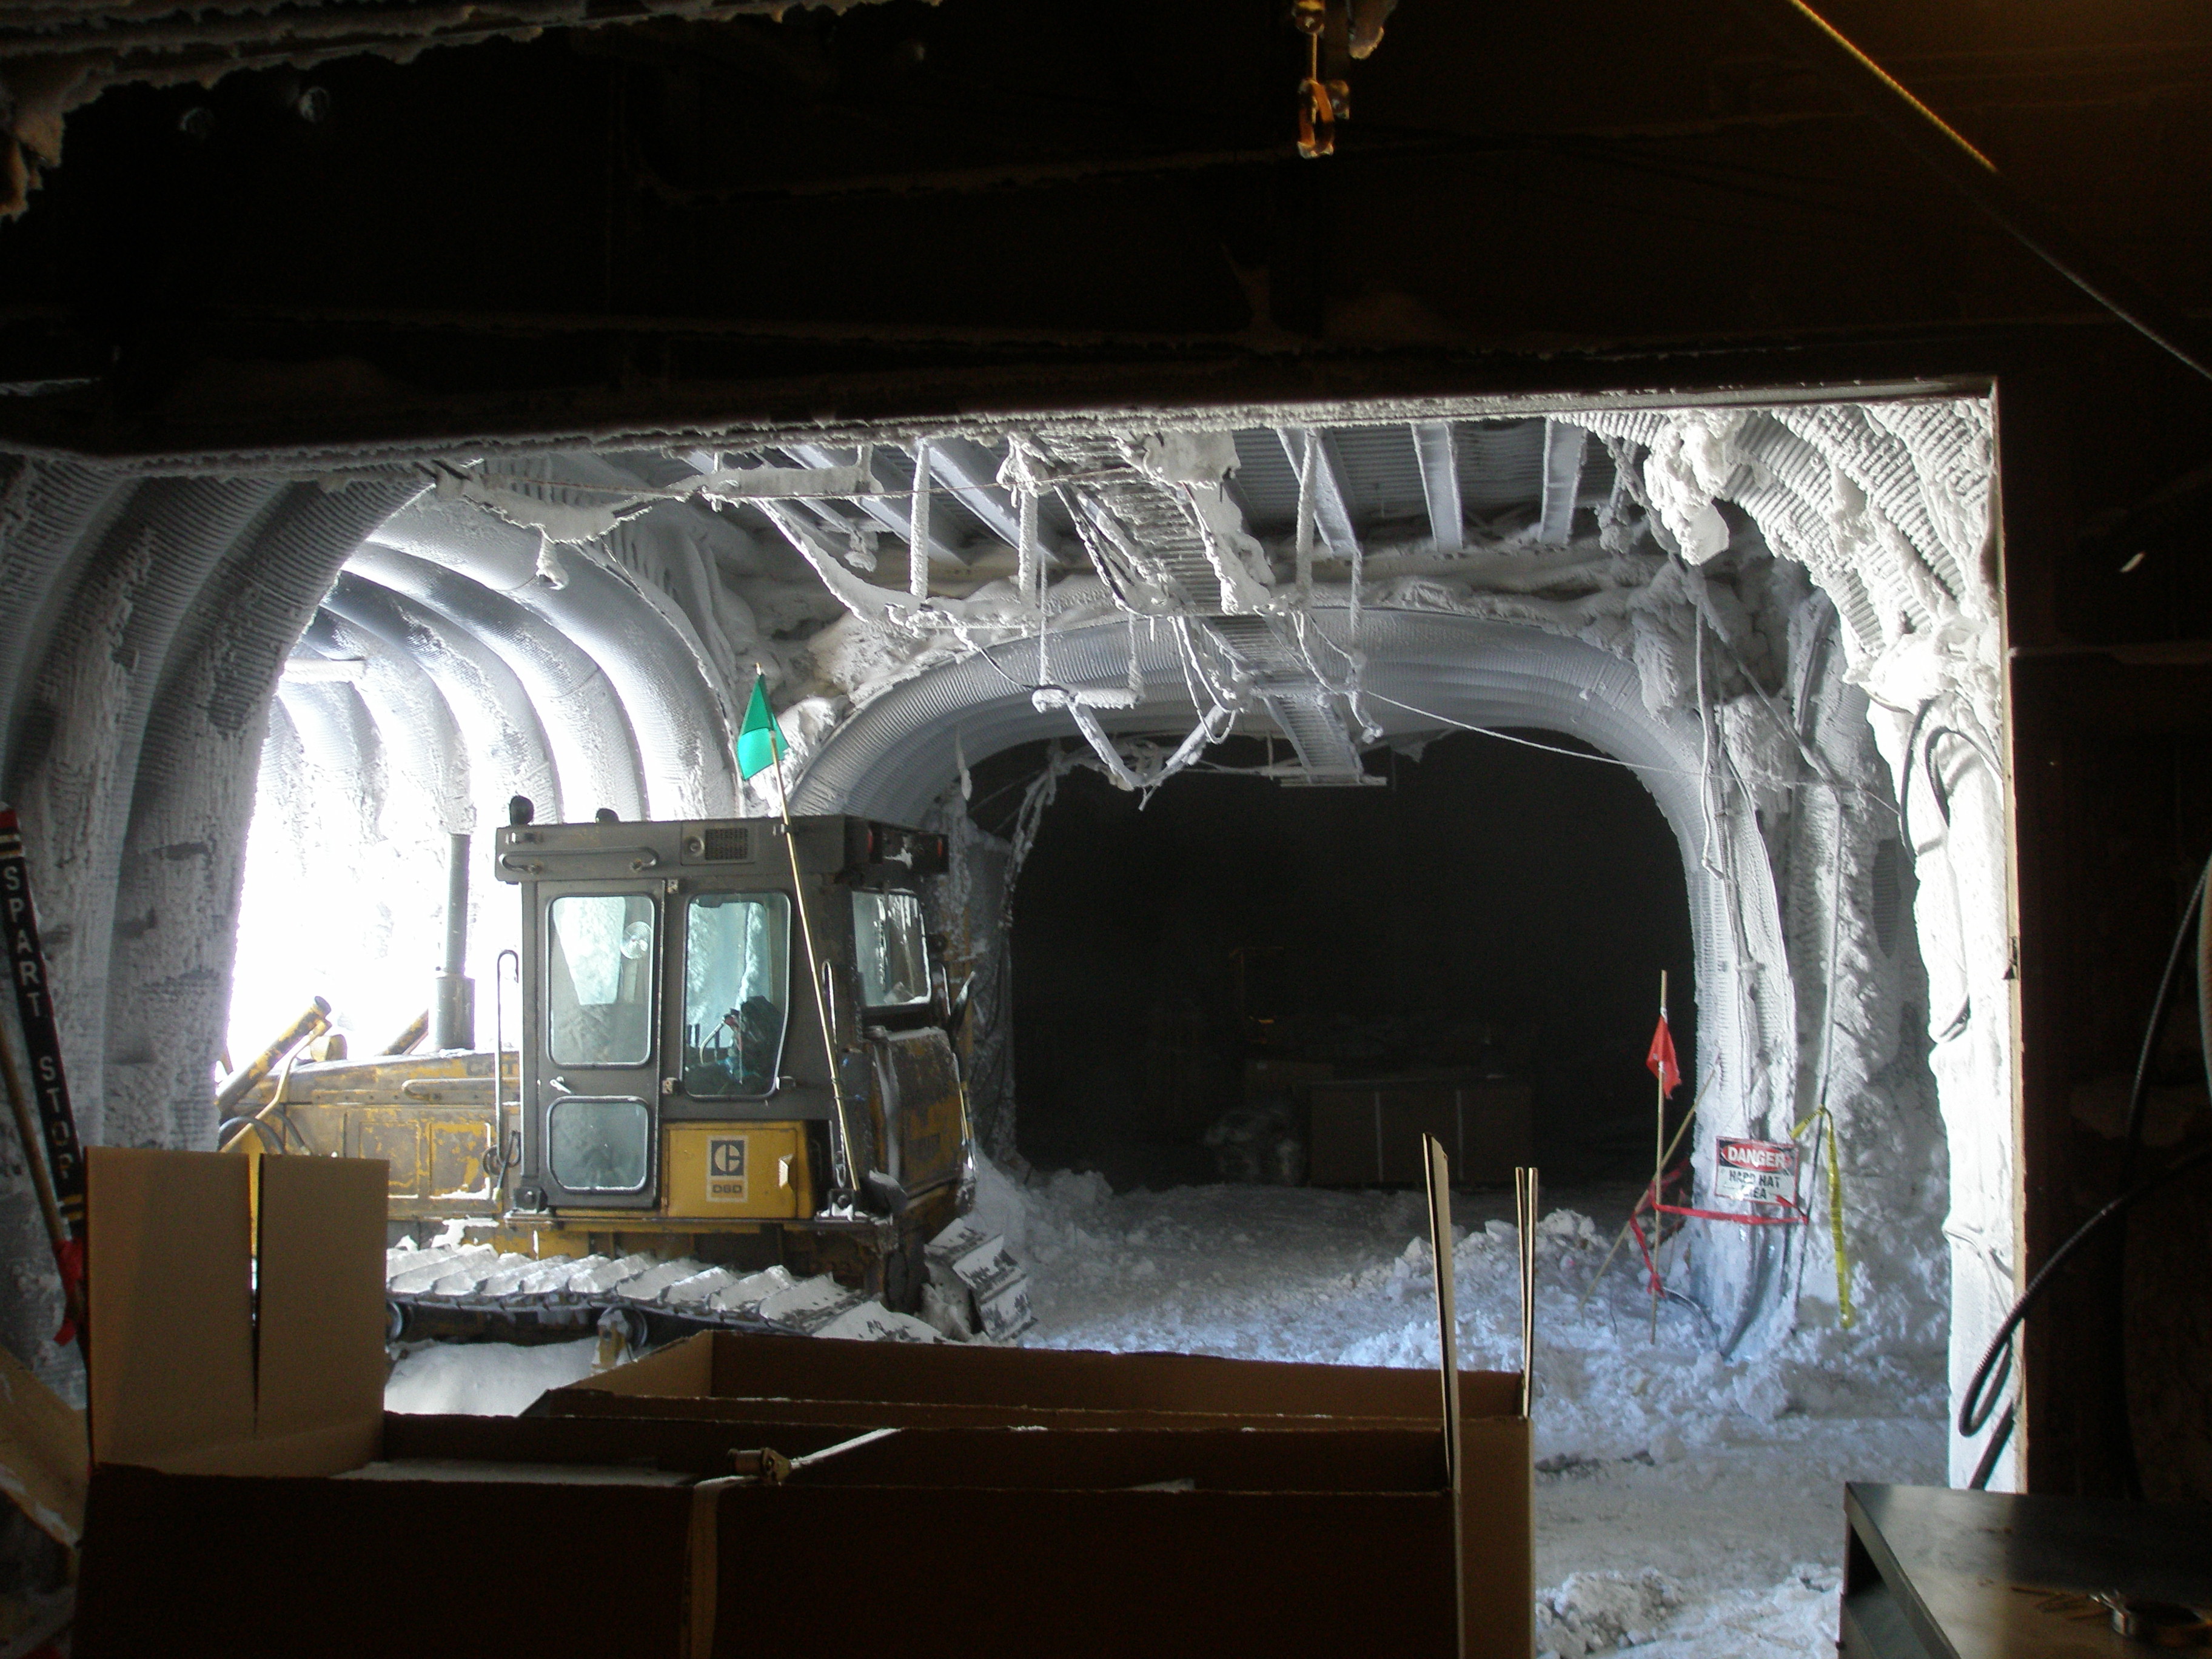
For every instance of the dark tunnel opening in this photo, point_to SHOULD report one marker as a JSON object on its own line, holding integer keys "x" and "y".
{"x": 1192, "y": 974}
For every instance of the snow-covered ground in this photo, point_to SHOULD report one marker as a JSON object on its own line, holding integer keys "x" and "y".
{"x": 1690, "y": 1508}
{"x": 1684, "y": 1504}
{"x": 483, "y": 1379}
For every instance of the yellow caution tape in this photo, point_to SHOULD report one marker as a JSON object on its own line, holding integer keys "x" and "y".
{"x": 1836, "y": 1223}
{"x": 1821, "y": 1115}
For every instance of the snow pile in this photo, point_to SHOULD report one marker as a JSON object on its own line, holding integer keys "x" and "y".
{"x": 484, "y": 1379}
{"x": 1595, "y": 1612}
{"x": 1795, "y": 1618}
{"x": 1332, "y": 1277}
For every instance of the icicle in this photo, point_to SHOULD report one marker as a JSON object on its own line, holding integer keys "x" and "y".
{"x": 1030, "y": 565}
{"x": 917, "y": 532}
{"x": 1136, "y": 674}
{"x": 1358, "y": 575}
{"x": 960, "y": 759}
{"x": 1307, "y": 470}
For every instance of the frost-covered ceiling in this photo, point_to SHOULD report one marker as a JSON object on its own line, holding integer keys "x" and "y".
{"x": 589, "y": 621}
{"x": 57, "y": 56}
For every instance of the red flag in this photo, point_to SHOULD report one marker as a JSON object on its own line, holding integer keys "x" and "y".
{"x": 1661, "y": 1061}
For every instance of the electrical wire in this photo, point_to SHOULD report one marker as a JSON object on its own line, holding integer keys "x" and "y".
{"x": 2139, "y": 1092}
{"x": 1530, "y": 743}
{"x": 1970, "y": 1419}
{"x": 1974, "y": 1408}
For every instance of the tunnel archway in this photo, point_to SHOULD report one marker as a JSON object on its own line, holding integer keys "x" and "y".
{"x": 1489, "y": 911}
{"x": 1836, "y": 557}
{"x": 1426, "y": 673}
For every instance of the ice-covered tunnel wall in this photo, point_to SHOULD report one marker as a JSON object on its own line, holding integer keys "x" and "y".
{"x": 1889, "y": 507}
{"x": 490, "y": 638}
{"x": 1815, "y": 748}
{"x": 899, "y": 759}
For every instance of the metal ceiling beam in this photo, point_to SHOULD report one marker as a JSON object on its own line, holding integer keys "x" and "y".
{"x": 971, "y": 472}
{"x": 1563, "y": 481}
{"x": 1438, "y": 451}
{"x": 887, "y": 516}
{"x": 1332, "y": 495}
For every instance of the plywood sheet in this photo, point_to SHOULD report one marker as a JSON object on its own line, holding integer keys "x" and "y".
{"x": 42, "y": 1452}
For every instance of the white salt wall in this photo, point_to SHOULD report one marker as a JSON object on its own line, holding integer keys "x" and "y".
{"x": 1888, "y": 505}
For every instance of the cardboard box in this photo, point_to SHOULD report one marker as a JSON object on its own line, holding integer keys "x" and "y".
{"x": 1029, "y": 1501}
{"x": 1368, "y": 1133}
{"x": 237, "y": 1312}
{"x": 1325, "y": 1492}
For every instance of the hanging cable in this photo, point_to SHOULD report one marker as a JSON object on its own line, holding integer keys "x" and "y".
{"x": 1980, "y": 1400}
{"x": 917, "y": 535}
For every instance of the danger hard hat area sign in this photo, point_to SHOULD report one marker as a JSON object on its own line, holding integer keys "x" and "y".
{"x": 1754, "y": 1172}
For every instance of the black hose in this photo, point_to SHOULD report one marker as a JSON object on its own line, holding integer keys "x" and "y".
{"x": 1973, "y": 1412}
{"x": 1998, "y": 1437}
{"x": 2139, "y": 1095}
{"x": 268, "y": 1132}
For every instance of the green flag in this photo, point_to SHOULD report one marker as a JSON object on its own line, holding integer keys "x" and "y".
{"x": 760, "y": 739}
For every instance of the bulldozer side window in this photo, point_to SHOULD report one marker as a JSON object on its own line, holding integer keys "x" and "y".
{"x": 894, "y": 957}
{"x": 599, "y": 979}
{"x": 736, "y": 968}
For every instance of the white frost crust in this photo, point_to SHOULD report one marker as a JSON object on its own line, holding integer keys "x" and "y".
{"x": 1887, "y": 505}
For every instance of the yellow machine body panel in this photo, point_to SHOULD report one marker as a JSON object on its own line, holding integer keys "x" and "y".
{"x": 725, "y": 1171}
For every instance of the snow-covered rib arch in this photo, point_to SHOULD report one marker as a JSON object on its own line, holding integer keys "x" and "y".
{"x": 682, "y": 731}
{"x": 898, "y": 755}
{"x": 508, "y": 748}
{"x": 593, "y": 750}
{"x": 412, "y": 716}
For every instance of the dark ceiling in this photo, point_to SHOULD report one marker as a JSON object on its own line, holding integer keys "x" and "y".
{"x": 889, "y": 209}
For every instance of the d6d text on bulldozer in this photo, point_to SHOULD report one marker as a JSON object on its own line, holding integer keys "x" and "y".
{"x": 733, "y": 1099}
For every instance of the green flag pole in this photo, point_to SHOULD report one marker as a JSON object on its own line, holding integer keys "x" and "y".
{"x": 760, "y": 730}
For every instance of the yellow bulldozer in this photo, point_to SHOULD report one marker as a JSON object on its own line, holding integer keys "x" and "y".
{"x": 732, "y": 1098}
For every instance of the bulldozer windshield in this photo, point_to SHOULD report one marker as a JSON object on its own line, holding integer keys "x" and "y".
{"x": 736, "y": 989}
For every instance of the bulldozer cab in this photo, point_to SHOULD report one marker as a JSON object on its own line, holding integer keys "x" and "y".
{"x": 727, "y": 1094}
{"x": 685, "y": 1001}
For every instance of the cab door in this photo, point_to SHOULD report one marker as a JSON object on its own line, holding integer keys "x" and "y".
{"x": 597, "y": 1110}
